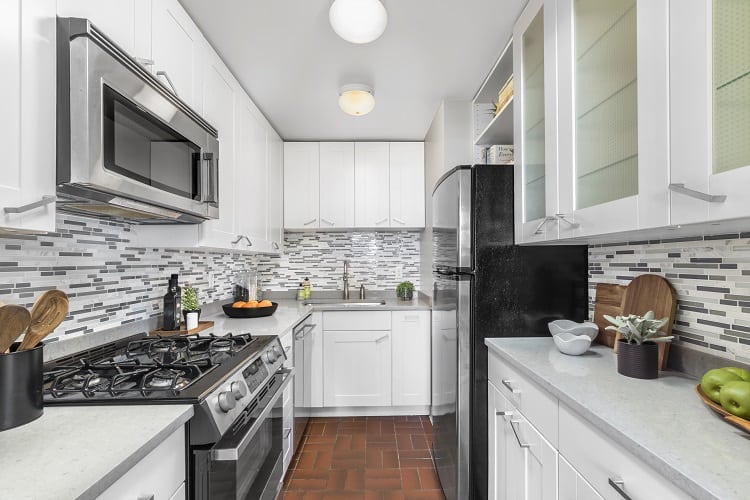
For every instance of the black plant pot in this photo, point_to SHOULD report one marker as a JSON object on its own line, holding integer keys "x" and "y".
{"x": 406, "y": 295}
{"x": 638, "y": 361}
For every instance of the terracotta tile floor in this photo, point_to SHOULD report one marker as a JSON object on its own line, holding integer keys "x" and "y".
{"x": 368, "y": 458}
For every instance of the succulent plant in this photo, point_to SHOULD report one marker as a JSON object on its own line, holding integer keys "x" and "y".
{"x": 637, "y": 329}
{"x": 404, "y": 287}
{"x": 190, "y": 300}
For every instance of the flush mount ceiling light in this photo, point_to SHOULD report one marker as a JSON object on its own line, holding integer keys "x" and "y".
{"x": 356, "y": 99}
{"x": 358, "y": 21}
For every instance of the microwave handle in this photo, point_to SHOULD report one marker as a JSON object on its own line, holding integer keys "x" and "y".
{"x": 210, "y": 178}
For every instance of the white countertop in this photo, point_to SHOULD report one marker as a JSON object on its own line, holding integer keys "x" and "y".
{"x": 661, "y": 421}
{"x": 77, "y": 452}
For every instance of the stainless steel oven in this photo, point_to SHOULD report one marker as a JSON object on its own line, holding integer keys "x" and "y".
{"x": 128, "y": 146}
{"x": 246, "y": 463}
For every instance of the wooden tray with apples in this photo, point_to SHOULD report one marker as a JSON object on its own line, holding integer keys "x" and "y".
{"x": 732, "y": 419}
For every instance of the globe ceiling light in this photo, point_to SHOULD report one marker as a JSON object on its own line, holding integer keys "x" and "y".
{"x": 358, "y": 21}
{"x": 356, "y": 99}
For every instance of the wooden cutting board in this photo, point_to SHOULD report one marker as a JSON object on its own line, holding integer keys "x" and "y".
{"x": 609, "y": 301}
{"x": 650, "y": 292}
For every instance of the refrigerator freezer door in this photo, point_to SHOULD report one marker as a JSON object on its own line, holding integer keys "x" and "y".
{"x": 451, "y": 221}
{"x": 451, "y": 318}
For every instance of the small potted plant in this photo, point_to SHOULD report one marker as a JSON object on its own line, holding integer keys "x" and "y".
{"x": 191, "y": 308}
{"x": 405, "y": 290}
{"x": 637, "y": 352}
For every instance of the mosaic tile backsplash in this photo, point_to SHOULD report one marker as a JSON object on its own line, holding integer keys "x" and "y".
{"x": 711, "y": 275}
{"x": 111, "y": 283}
{"x": 380, "y": 261}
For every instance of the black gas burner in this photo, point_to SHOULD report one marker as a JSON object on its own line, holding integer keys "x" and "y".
{"x": 186, "y": 348}
{"x": 166, "y": 378}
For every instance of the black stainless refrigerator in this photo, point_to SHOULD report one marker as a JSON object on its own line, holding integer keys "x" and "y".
{"x": 485, "y": 286}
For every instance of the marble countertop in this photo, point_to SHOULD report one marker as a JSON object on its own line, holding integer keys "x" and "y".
{"x": 77, "y": 452}
{"x": 661, "y": 421}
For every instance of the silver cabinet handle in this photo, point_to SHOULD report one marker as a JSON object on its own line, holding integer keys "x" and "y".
{"x": 618, "y": 485}
{"x": 710, "y": 198}
{"x": 169, "y": 81}
{"x": 46, "y": 200}
{"x": 287, "y": 432}
{"x": 242, "y": 237}
{"x": 513, "y": 424}
{"x": 309, "y": 222}
{"x": 381, "y": 221}
{"x": 144, "y": 61}
{"x": 327, "y": 221}
{"x": 147, "y": 497}
{"x": 544, "y": 221}
{"x": 564, "y": 218}
{"x": 275, "y": 245}
{"x": 399, "y": 221}
{"x": 506, "y": 383}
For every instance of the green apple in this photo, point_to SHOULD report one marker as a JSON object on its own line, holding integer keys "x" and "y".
{"x": 735, "y": 398}
{"x": 740, "y": 372}
{"x": 713, "y": 380}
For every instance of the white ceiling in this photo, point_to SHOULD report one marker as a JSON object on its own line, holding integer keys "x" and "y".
{"x": 287, "y": 57}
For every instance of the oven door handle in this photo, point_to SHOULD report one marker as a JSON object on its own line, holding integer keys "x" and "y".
{"x": 233, "y": 454}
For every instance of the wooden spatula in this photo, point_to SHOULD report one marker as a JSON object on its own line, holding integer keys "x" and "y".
{"x": 48, "y": 312}
{"x": 13, "y": 322}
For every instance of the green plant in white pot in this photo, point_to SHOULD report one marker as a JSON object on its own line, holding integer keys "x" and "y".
{"x": 637, "y": 352}
{"x": 191, "y": 308}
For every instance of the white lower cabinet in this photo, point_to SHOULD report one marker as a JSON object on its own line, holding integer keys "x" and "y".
{"x": 584, "y": 464}
{"x": 357, "y": 368}
{"x": 571, "y": 485}
{"x": 160, "y": 475}
{"x": 410, "y": 343}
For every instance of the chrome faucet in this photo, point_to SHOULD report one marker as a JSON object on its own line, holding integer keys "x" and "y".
{"x": 346, "y": 279}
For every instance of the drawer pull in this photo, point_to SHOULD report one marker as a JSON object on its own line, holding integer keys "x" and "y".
{"x": 287, "y": 432}
{"x": 147, "y": 497}
{"x": 618, "y": 485}
{"x": 710, "y": 198}
{"x": 506, "y": 383}
{"x": 513, "y": 424}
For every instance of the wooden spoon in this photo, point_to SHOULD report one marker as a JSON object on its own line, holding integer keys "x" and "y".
{"x": 13, "y": 322}
{"x": 48, "y": 312}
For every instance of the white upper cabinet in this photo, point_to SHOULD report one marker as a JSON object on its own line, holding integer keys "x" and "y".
{"x": 275, "y": 191}
{"x": 710, "y": 109}
{"x": 406, "y": 174}
{"x": 535, "y": 122}
{"x": 251, "y": 177}
{"x": 27, "y": 124}
{"x": 371, "y": 185}
{"x": 613, "y": 92}
{"x": 301, "y": 185}
{"x": 336, "y": 184}
{"x": 177, "y": 51}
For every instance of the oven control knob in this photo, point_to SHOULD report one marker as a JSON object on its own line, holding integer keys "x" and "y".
{"x": 272, "y": 355}
{"x": 239, "y": 389}
{"x": 227, "y": 401}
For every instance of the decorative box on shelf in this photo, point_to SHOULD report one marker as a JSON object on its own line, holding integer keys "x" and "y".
{"x": 500, "y": 155}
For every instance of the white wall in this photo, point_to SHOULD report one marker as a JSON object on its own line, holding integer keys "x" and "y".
{"x": 448, "y": 143}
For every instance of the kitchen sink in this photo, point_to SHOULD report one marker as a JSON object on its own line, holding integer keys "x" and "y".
{"x": 345, "y": 303}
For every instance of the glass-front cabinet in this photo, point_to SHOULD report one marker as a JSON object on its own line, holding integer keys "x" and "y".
{"x": 535, "y": 122}
{"x": 710, "y": 109}
{"x": 613, "y": 91}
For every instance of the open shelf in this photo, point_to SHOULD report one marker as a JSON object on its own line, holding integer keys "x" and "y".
{"x": 500, "y": 129}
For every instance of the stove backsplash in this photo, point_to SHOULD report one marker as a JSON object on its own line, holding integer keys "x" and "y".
{"x": 711, "y": 275}
{"x": 112, "y": 283}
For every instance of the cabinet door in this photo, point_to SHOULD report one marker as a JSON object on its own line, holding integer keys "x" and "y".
{"x": 251, "y": 173}
{"x": 357, "y": 368}
{"x": 177, "y": 50}
{"x": 411, "y": 357}
{"x": 571, "y": 485}
{"x": 336, "y": 184}
{"x": 371, "y": 185}
{"x": 614, "y": 115}
{"x": 301, "y": 185}
{"x": 535, "y": 122}
{"x": 27, "y": 125}
{"x": 220, "y": 106}
{"x": 314, "y": 363}
{"x": 276, "y": 192}
{"x": 497, "y": 444}
{"x": 116, "y": 18}
{"x": 406, "y": 172}
{"x": 710, "y": 108}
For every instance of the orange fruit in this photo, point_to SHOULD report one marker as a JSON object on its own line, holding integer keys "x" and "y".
{"x": 265, "y": 303}
{"x": 238, "y": 304}
{"x": 251, "y": 304}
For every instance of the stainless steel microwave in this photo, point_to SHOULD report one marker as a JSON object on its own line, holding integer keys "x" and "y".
{"x": 128, "y": 148}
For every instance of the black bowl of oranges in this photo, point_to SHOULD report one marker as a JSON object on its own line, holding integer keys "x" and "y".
{"x": 250, "y": 309}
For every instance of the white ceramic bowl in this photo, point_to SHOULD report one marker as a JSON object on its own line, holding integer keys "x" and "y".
{"x": 565, "y": 325}
{"x": 574, "y": 345}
